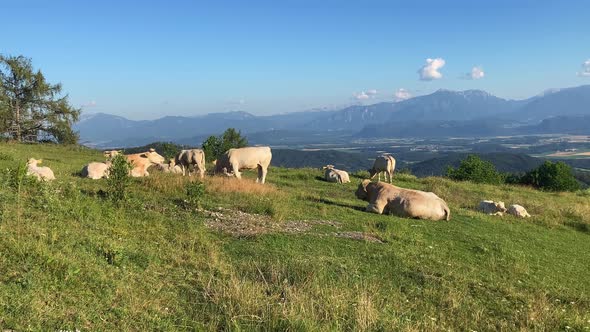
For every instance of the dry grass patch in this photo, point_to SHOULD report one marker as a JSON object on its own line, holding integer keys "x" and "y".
{"x": 221, "y": 184}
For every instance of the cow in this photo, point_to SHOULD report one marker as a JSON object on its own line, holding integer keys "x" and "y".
{"x": 386, "y": 198}
{"x": 96, "y": 170}
{"x": 383, "y": 163}
{"x": 492, "y": 208}
{"x": 335, "y": 175}
{"x": 195, "y": 157}
{"x": 110, "y": 154}
{"x": 518, "y": 211}
{"x": 42, "y": 173}
{"x": 141, "y": 161}
{"x": 170, "y": 167}
{"x": 234, "y": 160}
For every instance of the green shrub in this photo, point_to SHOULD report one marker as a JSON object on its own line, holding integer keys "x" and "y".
{"x": 476, "y": 170}
{"x": 194, "y": 193}
{"x": 215, "y": 146}
{"x": 118, "y": 179}
{"x": 552, "y": 176}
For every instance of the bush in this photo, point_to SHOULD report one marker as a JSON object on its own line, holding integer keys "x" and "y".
{"x": 216, "y": 146}
{"x": 118, "y": 179}
{"x": 194, "y": 192}
{"x": 552, "y": 176}
{"x": 476, "y": 170}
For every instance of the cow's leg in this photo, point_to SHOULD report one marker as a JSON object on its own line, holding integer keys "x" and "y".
{"x": 236, "y": 171}
{"x": 261, "y": 174}
{"x": 202, "y": 171}
{"x": 375, "y": 208}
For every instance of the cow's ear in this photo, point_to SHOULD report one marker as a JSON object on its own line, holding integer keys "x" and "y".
{"x": 365, "y": 183}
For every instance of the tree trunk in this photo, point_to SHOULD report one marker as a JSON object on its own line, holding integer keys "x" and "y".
{"x": 17, "y": 121}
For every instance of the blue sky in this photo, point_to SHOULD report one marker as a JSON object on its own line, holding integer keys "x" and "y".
{"x": 145, "y": 59}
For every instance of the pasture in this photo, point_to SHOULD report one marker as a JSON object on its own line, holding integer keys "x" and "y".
{"x": 295, "y": 254}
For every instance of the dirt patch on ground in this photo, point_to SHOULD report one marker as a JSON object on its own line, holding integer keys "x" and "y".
{"x": 243, "y": 224}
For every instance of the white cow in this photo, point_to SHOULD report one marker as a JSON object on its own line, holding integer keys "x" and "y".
{"x": 96, "y": 170}
{"x": 385, "y": 198}
{"x": 492, "y": 208}
{"x": 170, "y": 167}
{"x": 234, "y": 160}
{"x": 195, "y": 157}
{"x": 42, "y": 173}
{"x": 335, "y": 175}
{"x": 111, "y": 154}
{"x": 141, "y": 161}
{"x": 518, "y": 211}
{"x": 383, "y": 163}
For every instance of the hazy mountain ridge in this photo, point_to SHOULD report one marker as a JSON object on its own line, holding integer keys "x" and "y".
{"x": 443, "y": 113}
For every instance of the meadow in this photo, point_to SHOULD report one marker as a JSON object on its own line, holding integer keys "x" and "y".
{"x": 295, "y": 254}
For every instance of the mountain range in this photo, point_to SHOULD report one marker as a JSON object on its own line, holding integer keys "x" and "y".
{"x": 444, "y": 113}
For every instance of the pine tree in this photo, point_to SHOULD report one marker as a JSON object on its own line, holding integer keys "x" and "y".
{"x": 30, "y": 107}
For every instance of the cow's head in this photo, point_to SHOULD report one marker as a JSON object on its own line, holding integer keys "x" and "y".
{"x": 33, "y": 161}
{"x": 500, "y": 207}
{"x": 361, "y": 192}
{"x": 154, "y": 157}
{"x": 110, "y": 154}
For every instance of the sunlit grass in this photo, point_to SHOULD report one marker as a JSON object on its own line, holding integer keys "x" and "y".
{"x": 69, "y": 258}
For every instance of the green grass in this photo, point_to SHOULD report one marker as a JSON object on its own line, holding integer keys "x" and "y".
{"x": 69, "y": 258}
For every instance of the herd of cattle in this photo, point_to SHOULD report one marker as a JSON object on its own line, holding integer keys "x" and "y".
{"x": 383, "y": 198}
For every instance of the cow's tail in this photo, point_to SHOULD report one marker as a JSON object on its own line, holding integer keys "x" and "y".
{"x": 447, "y": 213}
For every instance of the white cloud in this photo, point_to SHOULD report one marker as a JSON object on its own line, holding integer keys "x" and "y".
{"x": 476, "y": 73}
{"x": 361, "y": 96}
{"x": 402, "y": 94}
{"x": 585, "y": 69}
{"x": 430, "y": 70}
{"x": 364, "y": 95}
{"x": 91, "y": 103}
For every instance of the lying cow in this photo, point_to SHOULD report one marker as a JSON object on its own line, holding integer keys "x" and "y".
{"x": 385, "y": 198}
{"x": 492, "y": 208}
{"x": 141, "y": 161}
{"x": 235, "y": 160}
{"x": 383, "y": 163}
{"x": 96, "y": 170}
{"x": 335, "y": 175}
{"x": 194, "y": 157}
{"x": 42, "y": 173}
{"x": 111, "y": 154}
{"x": 170, "y": 167}
{"x": 518, "y": 211}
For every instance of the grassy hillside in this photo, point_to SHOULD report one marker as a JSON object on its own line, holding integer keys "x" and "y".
{"x": 297, "y": 254}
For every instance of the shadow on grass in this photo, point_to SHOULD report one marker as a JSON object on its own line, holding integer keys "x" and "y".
{"x": 348, "y": 206}
{"x": 579, "y": 226}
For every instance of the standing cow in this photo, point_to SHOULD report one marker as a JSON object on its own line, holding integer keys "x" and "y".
{"x": 383, "y": 163}
{"x": 235, "y": 160}
{"x": 195, "y": 157}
